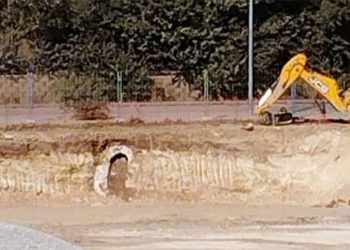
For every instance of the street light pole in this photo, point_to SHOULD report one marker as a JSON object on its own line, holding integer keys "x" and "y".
{"x": 251, "y": 58}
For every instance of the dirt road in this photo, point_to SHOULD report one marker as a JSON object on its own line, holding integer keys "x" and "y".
{"x": 188, "y": 226}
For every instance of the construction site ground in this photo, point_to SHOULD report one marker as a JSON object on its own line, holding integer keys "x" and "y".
{"x": 197, "y": 185}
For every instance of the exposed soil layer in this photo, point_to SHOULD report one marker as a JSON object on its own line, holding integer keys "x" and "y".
{"x": 212, "y": 161}
{"x": 210, "y": 185}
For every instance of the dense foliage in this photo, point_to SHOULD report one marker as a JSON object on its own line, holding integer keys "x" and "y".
{"x": 147, "y": 37}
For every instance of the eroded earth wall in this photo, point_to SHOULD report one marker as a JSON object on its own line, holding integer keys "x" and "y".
{"x": 295, "y": 165}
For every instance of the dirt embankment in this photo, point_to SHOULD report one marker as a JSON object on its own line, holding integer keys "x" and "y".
{"x": 305, "y": 164}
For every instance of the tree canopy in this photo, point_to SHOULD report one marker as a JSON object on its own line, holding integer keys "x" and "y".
{"x": 147, "y": 37}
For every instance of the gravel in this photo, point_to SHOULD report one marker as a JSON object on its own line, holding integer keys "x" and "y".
{"x": 18, "y": 237}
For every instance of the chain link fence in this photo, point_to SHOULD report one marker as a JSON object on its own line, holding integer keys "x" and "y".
{"x": 40, "y": 99}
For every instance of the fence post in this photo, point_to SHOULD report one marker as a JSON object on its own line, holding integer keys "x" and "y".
{"x": 206, "y": 85}
{"x": 119, "y": 92}
{"x": 206, "y": 92}
{"x": 31, "y": 71}
{"x": 120, "y": 86}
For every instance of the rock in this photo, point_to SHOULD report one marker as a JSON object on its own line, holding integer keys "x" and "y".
{"x": 248, "y": 127}
{"x": 7, "y": 136}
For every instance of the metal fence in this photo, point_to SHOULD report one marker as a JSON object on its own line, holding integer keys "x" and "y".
{"x": 33, "y": 98}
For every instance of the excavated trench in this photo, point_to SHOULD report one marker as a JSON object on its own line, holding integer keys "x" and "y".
{"x": 294, "y": 165}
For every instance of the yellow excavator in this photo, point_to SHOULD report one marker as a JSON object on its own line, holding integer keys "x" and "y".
{"x": 296, "y": 70}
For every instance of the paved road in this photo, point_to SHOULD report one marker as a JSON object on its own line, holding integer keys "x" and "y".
{"x": 185, "y": 111}
{"x": 13, "y": 237}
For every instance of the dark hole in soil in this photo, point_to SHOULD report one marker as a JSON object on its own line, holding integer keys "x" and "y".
{"x": 117, "y": 177}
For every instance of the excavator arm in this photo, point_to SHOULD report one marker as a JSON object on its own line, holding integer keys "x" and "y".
{"x": 296, "y": 69}
{"x": 291, "y": 71}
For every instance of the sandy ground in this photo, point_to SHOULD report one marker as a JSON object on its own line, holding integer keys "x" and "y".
{"x": 188, "y": 226}
{"x": 208, "y": 185}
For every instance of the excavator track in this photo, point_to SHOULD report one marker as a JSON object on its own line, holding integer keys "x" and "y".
{"x": 283, "y": 118}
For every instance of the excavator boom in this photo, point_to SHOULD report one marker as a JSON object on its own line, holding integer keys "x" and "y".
{"x": 289, "y": 74}
{"x": 295, "y": 70}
